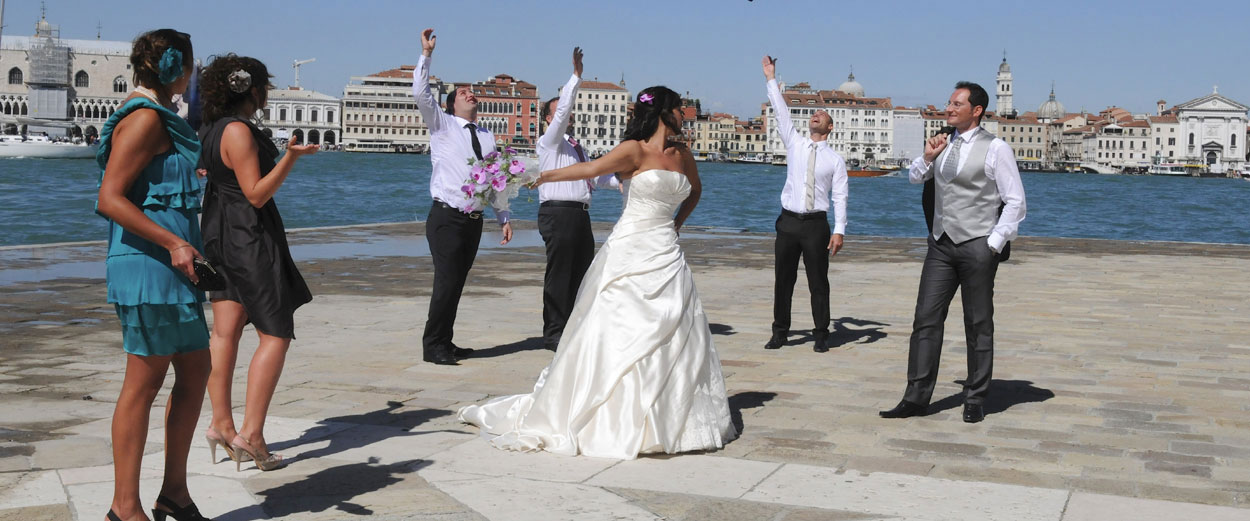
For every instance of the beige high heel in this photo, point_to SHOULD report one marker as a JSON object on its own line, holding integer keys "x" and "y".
{"x": 215, "y": 439}
{"x": 270, "y": 461}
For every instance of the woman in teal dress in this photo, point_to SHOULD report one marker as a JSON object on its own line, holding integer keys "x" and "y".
{"x": 150, "y": 195}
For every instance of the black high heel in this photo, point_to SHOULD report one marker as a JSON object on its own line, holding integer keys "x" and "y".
{"x": 187, "y": 513}
{"x": 112, "y": 516}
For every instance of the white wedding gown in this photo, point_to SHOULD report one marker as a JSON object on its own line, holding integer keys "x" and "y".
{"x": 635, "y": 371}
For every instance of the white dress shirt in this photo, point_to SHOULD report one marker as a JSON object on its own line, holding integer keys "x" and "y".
{"x": 450, "y": 146}
{"x": 1000, "y": 167}
{"x": 830, "y": 167}
{"x": 556, "y": 150}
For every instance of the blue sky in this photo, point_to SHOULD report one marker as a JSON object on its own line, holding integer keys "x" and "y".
{"x": 1098, "y": 52}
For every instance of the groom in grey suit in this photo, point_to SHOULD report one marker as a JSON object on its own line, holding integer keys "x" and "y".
{"x": 978, "y": 206}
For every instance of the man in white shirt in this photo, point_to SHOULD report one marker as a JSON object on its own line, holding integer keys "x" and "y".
{"x": 978, "y": 206}
{"x": 454, "y": 225}
{"x": 815, "y": 176}
{"x": 563, "y": 211}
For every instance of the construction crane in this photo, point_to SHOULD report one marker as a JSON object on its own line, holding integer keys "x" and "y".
{"x": 296, "y": 65}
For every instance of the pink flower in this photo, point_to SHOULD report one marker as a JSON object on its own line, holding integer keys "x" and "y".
{"x": 467, "y": 189}
{"x": 493, "y": 168}
{"x": 646, "y": 98}
{"x": 499, "y": 183}
{"x": 467, "y": 208}
{"x": 510, "y": 151}
{"x": 478, "y": 175}
{"x": 516, "y": 168}
{"x": 492, "y": 155}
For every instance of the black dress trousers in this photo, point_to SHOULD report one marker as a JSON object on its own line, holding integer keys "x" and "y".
{"x": 453, "y": 237}
{"x": 807, "y": 236}
{"x": 565, "y": 229}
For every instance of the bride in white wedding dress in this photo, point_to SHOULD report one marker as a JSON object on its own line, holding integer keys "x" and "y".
{"x": 636, "y": 371}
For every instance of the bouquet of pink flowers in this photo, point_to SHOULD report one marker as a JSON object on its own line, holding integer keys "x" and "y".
{"x": 498, "y": 177}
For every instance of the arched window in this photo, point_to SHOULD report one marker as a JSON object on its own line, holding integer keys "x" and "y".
{"x": 81, "y": 80}
{"x": 15, "y": 76}
{"x": 1232, "y": 140}
{"x": 1191, "y": 139}
{"x": 119, "y": 84}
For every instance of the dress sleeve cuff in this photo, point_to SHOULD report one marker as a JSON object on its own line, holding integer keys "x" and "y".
{"x": 504, "y": 216}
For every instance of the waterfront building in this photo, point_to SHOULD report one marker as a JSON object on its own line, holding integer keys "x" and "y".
{"x": 380, "y": 114}
{"x": 1164, "y": 145}
{"x": 1212, "y": 135}
{"x": 303, "y": 115}
{"x": 1027, "y": 137}
{"x": 600, "y": 115}
{"x": 1062, "y": 153}
{"x": 64, "y": 87}
{"x": 509, "y": 108}
{"x": 1119, "y": 145}
{"x": 909, "y": 134}
{"x": 751, "y": 141}
{"x": 714, "y": 135}
{"x": 1003, "y": 99}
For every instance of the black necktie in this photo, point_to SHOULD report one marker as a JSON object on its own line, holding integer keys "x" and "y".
{"x": 477, "y": 145}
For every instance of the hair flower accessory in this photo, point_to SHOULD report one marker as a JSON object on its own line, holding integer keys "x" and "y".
{"x": 240, "y": 81}
{"x": 170, "y": 66}
{"x": 646, "y": 98}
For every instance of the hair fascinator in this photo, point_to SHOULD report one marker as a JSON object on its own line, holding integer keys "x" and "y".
{"x": 170, "y": 66}
{"x": 240, "y": 81}
{"x": 646, "y": 98}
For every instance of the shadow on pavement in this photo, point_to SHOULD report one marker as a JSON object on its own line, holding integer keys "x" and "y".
{"x": 360, "y": 435}
{"x": 746, "y": 400}
{"x": 869, "y": 331}
{"x": 533, "y": 343}
{"x": 721, "y": 329}
{"x": 326, "y": 490}
{"x": 1003, "y": 395}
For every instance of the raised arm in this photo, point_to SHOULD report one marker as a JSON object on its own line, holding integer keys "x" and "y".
{"x": 623, "y": 158}
{"x": 427, "y": 103}
{"x": 785, "y": 127}
{"x": 922, "y": 167}
{"x": 696, "y": 189}
{"x": 560, "y": 120}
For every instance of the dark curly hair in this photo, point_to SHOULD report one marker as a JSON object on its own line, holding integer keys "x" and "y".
{"x": 150, "y": 47}
{"x": 215, "y": 92}
{"x": 649, "y": 114}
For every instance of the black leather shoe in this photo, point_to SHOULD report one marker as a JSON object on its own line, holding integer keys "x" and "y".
{"x": 440, "y": 357}
{"x": 775, "y": 342}
{"x": 822, "y": 343}
{"x": 904, "y": 409}
{"x": 973, "y": 413}
{"x": 460, "y": 352}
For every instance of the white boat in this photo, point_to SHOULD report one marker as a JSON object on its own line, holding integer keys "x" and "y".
{"x": 39, "y": 146}
{"x": 1168, "y": 169}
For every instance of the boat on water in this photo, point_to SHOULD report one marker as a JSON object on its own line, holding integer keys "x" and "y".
{"x": 750, "y": 158}
{"x": 39, "y": 146}
{"x": 866, "y": 173}
{"x": 1169, "y": 169}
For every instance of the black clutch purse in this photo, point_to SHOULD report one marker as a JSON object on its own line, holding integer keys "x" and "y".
{"x": 210, "y": 278}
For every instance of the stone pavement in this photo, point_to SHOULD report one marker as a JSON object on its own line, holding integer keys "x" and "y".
{"x": 1122, "y": 391}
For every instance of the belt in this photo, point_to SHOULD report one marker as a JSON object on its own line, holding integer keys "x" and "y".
{"x": 471, "y": 215}
{"x": 566, "y": 204}
{"x": 805, "y": 216}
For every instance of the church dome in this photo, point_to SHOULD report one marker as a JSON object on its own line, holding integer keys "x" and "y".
{"x": 43, "y": 28}
{"x": 852, "y": 87}
{"x": 1051, "y": 108}
{"x": 1003, "y": 67}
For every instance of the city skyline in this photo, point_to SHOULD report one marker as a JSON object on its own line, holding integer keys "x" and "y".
{"x": 1094, "y": 56}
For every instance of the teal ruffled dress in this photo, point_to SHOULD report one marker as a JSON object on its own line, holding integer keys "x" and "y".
{"x": 161, "y": 313}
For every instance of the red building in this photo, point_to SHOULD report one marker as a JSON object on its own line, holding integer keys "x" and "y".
{"x": 509, "y": 108}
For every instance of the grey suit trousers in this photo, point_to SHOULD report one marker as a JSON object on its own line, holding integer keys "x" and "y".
{"x": 969, "y": 267}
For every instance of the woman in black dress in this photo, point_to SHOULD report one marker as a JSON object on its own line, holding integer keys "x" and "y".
{"x": 245, "y": 239}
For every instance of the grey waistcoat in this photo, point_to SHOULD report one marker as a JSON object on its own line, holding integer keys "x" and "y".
{"x": 967, "y": 206}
